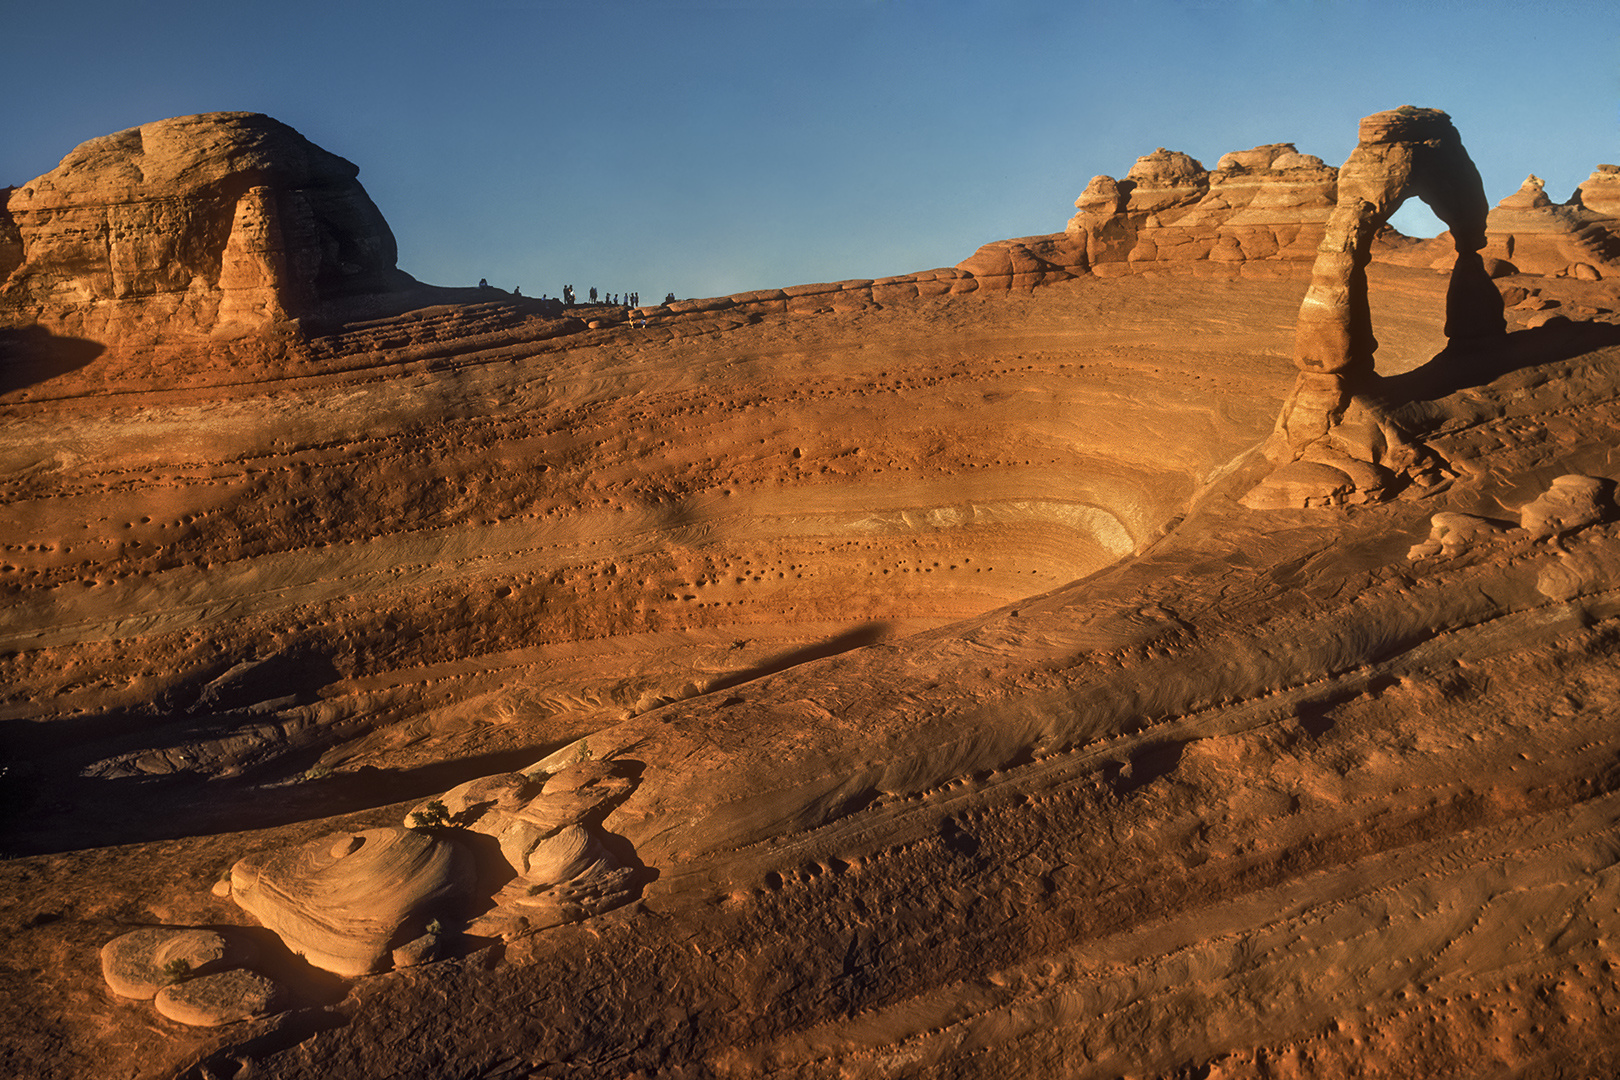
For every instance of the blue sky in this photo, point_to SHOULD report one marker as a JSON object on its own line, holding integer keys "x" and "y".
{"x": 711, "y": 146}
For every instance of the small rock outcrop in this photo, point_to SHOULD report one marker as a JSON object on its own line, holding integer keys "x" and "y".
{"x": 194, "y": 976}
{"x": 224, "y": 997}
{"x": 142, "y": 962}
{"x": 220, "y": 223}
{"x": 345, "y": 901}
{"x": 1569, "y": 503}
{"x": 559, "y": 865}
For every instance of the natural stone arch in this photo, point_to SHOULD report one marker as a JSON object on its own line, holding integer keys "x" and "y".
{"x": 1402, "y": 153}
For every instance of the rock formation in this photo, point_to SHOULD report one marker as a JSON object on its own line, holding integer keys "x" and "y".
{"x": 1260, "y": 209}
{"x": 345, "y": 901}
{"x": 906, "y": 661}
{"x": 1401, "y": 153}
{"x": 558, "y": 866}
{"x": 1580, "y": 237}
{"x": 142, "y": 962}
{"x": 221, "y": 223}
{"x": 197, "y": 977}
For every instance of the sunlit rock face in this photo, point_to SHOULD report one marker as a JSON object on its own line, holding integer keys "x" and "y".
{"x": 1401, "y": 153}
{"x": 221, "y": 223}
{"x": 1538, "y": 236}
{"x": 1260, "y": 211}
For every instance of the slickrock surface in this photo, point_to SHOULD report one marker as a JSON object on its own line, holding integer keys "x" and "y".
{"x": 911, "y": 649}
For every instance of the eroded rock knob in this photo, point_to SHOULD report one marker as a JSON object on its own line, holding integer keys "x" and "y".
{"x": 344, "y": 901}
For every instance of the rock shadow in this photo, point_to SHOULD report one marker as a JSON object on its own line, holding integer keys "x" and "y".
{"x": 49, "y": 807}
{"x": 31, "y": 354}
{"x": 1470, "y": 364}
{"x": 866, "y": 634}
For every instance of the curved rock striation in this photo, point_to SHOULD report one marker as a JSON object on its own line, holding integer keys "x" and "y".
{"x": 220, "y": 223}
{"x": 558, "y": 865}
{"x": 345, "y": 901}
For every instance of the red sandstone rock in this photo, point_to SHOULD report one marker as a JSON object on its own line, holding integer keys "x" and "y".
{"x": 219, "y": 223}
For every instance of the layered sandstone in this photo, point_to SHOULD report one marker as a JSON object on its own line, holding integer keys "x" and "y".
{"x": 345, "y": 901}
{"x": 220, "y": 223}
{"x": 1401, "y": 153}
{"x": 913, "y": 642}
{"x": 1265, "y": 206}
{"x": 1537, "y": 236}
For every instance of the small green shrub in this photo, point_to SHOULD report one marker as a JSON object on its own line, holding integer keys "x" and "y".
{"x": 176, "y": 970}
{"x": 435, "y": 815}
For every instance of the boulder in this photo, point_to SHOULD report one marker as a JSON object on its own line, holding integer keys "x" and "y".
{"x": 1165, "y": 179}
{"x": 344, "y": 901}
{"x": 225, "y": 997}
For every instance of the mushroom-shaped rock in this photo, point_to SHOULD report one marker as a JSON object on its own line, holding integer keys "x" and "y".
{"x": 142, "y": 962}
{"x": 1572, "y": 502}
{"x": 1165, "y": 179}
{"x": 1531, "y": 195}
{"x": 345, "y": 900}
{"x": 1103, "y": 197}
{"x": 225, "y": 997}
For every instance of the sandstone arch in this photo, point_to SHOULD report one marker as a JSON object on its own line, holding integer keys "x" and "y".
{"x": 1401, "y": 153}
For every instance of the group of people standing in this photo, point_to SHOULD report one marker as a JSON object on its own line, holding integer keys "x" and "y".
{"x": 631, "y": 299}
{"x": 616, "y": 299}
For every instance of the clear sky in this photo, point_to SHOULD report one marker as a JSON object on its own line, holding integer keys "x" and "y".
{"x": 711, "y": 146}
